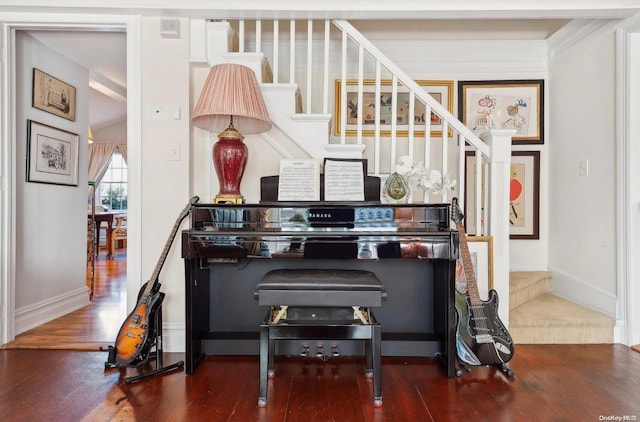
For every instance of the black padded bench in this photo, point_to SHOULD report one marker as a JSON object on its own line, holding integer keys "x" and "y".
{"x": 320, "y": 304}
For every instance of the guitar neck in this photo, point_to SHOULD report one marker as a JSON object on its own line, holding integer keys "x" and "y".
{"x": 165, "y": 252}
{"x": 153, "y": 281}
{"x": 467, "y": 265}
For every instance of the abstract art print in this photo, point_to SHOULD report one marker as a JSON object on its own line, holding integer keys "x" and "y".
{"x": 516, "y": 105}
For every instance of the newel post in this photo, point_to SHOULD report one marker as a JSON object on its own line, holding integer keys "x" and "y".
{"x": 499, "y": 142}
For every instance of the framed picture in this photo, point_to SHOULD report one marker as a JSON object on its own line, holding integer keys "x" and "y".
{"x": 52, "y": 155}
{"x": 524, "y": 195}
{"x": 442, "y": 91}
{"x": 470, "y": 195}
{"x": 481, "y": 253}
{"x": 519, "y": 105}
{"x": 53, "y": 96}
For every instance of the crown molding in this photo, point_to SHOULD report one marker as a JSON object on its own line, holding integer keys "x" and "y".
{"x": 576, "y": 36}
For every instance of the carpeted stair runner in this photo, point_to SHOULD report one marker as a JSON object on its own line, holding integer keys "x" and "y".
{"x": 539, "y": 317}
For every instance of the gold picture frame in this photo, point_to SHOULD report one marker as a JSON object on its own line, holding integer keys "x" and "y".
{"x": 53, "y": 96}
{"x": 442, "y": 91}
{"x": 481, "y": 252}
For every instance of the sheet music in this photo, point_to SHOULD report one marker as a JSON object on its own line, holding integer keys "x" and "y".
{"x": 299, "y": 180}
{"x": 343, "y": 180}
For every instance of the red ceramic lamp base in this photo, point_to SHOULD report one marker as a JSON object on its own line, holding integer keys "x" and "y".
{"x": 229, "y": 158}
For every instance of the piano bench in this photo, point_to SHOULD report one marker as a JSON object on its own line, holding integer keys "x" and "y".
{"x": 320, "y": 304}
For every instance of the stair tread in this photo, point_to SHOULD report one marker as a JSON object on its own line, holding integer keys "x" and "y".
{"x": 550, "y": 310}
{"x": 519, "y": 280}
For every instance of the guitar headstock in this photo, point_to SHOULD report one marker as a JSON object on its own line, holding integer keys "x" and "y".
{"x": 456, "y": 213}
{"x": 187, "y": 208}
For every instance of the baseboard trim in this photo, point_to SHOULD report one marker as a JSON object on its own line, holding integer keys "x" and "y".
{"x": 39, "y": 313}
{"x": 579, "y": 291}
{"x": 173, "y": 337}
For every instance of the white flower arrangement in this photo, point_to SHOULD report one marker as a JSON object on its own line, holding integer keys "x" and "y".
{"x": 430, "y": 181}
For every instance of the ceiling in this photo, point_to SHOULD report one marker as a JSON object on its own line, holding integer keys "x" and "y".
{"x": 103, "y": 53}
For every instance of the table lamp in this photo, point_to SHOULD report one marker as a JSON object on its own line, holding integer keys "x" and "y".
{"x": 230, "y": 99}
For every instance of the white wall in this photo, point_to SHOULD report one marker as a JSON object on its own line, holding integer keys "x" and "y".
{"x": 113, "y": 133}
{"x": 632, "y": 188}
{"x": 165, "y": 182}
{"x": 582, "y": 209}
{"x": 51, "y": 220}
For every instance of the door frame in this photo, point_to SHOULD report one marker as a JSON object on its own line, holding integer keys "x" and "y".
{"x": 9, "y": 24}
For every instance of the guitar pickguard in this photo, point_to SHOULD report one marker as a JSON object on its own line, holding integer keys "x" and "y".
{"x": 481, "y": 338}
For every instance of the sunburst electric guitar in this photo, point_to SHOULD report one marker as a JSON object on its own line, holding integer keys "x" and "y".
{"x": 135, "y": 338}
{"x": 481, "y": 337}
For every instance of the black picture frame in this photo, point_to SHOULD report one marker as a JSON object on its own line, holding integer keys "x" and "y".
{"x": 504, "y": 104}
{"x": 52, "y": 155}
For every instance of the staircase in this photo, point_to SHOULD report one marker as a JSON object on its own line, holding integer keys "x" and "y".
{"x": 538, "y": 317}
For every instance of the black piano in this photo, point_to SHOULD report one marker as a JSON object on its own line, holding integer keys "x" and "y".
{"x": 410, "y": 248}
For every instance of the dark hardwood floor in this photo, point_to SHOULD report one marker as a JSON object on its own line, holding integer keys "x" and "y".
{"x": 552, "y": 383}
{"x": 92, "y": 326}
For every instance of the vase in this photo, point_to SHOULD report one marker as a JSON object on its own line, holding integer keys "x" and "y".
{"x": 396, "y": 189}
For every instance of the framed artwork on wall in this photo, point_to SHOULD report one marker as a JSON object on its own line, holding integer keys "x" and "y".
{"x": 442, "y": 91}
{"x": 515, "y": 104}
{"x": 481, "y": 253}
{"x": 53, "y": 96}
{"x": 470, "y": 195}
{"x": 52, "y": 155}
{"x": 524, "y": 195}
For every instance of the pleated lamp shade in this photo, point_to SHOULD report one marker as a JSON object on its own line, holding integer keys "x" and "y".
{"x": 231, "y": 90}
{"x": 231, "y": 103}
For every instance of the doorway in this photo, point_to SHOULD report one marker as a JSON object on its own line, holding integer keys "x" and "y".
{"x": 12, "y": 133}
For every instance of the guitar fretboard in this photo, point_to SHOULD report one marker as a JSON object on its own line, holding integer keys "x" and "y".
{"x": 163, "y": 256}
{"x": 467, "y": 265}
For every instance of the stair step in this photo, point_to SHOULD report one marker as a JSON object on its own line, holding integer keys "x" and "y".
{"x": 527, "y": 285}
{"x": 549, "y": 319}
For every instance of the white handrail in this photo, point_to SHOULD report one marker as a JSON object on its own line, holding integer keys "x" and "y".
{"x": 408, "y": 82}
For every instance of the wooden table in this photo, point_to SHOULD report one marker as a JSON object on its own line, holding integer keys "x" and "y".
{"x": 107, "y": 217}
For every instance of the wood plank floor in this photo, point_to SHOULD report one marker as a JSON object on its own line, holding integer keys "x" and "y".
{"x": 552, "y": 382}
{"x": 92, "y": 326}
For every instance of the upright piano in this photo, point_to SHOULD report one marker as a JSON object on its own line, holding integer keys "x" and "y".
{"x": 410, "y": 248}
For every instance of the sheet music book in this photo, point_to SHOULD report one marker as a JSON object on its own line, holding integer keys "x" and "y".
{"x": 344, "y": 179}
{"x": 299, "y": 180}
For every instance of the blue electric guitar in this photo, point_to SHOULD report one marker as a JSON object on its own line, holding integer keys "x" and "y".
{"x": 481, "y": 337}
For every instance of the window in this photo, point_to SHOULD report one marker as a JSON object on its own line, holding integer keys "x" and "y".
{"x": 113, "y": 187}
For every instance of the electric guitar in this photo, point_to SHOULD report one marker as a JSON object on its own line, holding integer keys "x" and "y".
{"x": 481, "y": 337}
{"x": 135, "y": 337}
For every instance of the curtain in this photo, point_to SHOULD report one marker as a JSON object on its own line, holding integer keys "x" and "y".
{"x": 99, "y": 156}
{"x": 123, "y": 151}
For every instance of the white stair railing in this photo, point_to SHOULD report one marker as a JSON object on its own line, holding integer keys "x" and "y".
{"x": 384, "y": 157}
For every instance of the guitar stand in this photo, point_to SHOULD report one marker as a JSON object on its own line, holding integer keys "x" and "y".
{"x": 140, "y": 361}
{"x": 461, "y": 368}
